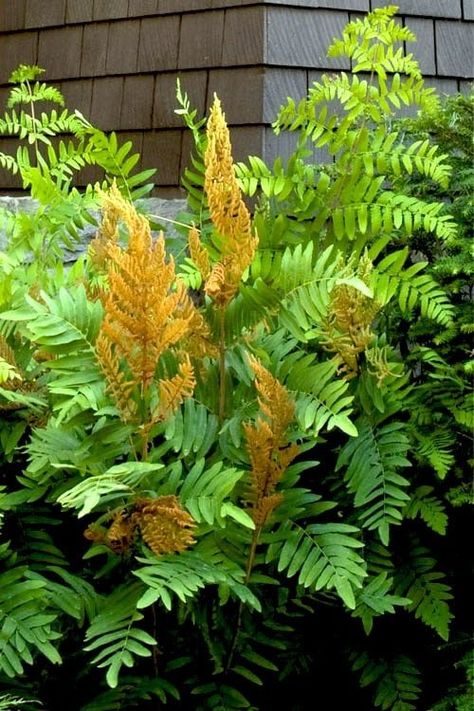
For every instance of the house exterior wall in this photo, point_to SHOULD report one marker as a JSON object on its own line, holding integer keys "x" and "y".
{"x": 117, "y": 61}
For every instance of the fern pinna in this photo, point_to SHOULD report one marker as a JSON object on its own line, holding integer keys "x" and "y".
{"x": 169, "y": 535}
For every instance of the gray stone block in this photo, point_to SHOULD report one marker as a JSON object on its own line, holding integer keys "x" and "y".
{"x": 162, "y": 211}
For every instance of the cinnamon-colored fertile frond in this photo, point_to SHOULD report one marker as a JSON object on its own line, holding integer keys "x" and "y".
{"x": 174, "y": 391}
{"x": 267, "y": 443}
{"x": 198, "y": 253}
{"x": 107, "y": 234}
{"x": 229, "y": 214}
{"x": 118, "y": 537}
{"x": 9, "y": 374}
{"x": 347, "y": 329}
{"x": 147, "y": 311}
{"x": 117, "y": 384}
{"x": 164, "y": 525}
{"x": 197, "y": 342}
{"x": 274, "y": 400}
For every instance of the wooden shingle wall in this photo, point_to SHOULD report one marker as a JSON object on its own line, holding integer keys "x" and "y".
{"x": 117, "y": 61}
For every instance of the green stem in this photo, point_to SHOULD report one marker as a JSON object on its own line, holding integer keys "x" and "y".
{"x": 222, "y": 366}
{"x": 248, "y": 573}
{"x": 33, "y": 116}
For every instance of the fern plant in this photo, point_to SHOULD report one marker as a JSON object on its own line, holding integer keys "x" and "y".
{"x": 190, "y": 482}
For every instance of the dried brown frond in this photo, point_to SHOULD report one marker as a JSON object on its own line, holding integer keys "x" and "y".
{"x": 229, "y": 213}
{"x": 267, "y": 443}
{"x": 164, "y": 525}
{"x": 121, "y": 532}
{"x": 198, "y": 253}
{"x": 347, "y": 329}
{"x": 174, "y": 391}
{"x": 118, "y": 537}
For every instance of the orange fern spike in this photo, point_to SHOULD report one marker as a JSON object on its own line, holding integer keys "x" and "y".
{"x": 229, "y": 214}
{"x": 198, "y": 253}
{"x": 147, "y": 310}
{"x": 117, "y": 384}
{"x": 165, "y": 526}
{"x": 174, "y": 391}
{"x": 274, "y": 400}
{"x": 267, "y": 445}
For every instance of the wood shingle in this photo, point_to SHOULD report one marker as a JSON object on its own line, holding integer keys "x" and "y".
{"x": 117, "y": 61}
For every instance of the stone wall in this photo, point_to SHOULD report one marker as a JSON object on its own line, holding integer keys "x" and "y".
{"x": 164, "y": 211}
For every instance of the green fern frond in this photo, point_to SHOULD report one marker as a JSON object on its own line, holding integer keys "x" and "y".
{"x": 375, "y": 599}
{"x": 132, "y": 692}
{"x": 61, "y": 326}
{"x": 191, "y": 431}
{"x": 372, "y": 461}
{"x": 436, "y": 448}
{"x": 427, "y": 589}
{"x": 113, "y": 636}
{"x": 220, "y": 697}
{"x": 117, "y": 482}
{"x": 322, "y": 400}
{"x": 205, "y": 489}
{"x": 429, "y": 508}
{"x": 118, "y": 162}
{"x": 183, "y": 576}
{"x": 26, "y": 623}
{"x": 397, "y": 680}
{"x": 9, "y": 163}
{"x": 324, "y": 556}
{"x": 7, "y": 703}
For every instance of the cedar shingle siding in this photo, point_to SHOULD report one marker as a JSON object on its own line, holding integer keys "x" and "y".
{"x": 117, "y": 61}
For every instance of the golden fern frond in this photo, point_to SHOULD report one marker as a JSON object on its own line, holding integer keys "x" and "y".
{"x": 144, "y": 307}
{"x": 118, "y": 386}
{"x": 216, "y": 286}
{"x": 107, "y": 234}
{"x": 267, "y": 444}
{"x": 10, "y": 376}
{"x": 173, "y": 391}
{"x": 197, "y": 342}
{"x": 347, "y": 328}
{"x": 228, "y": 212}
{"x": 378, "y": 364}
{"x": 198, "y": 253}
{"x": 274, "y": 400}
{"x": 164, "y": 525}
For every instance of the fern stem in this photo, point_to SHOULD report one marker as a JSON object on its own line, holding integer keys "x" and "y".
{"x": 173, "y": 222}
{"x": 155, "y": 652}
{"x": 222, "y": 366}
{"x": 248, "y": 573}
{"x": 33, "y": 116}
